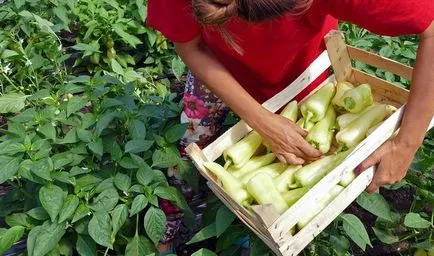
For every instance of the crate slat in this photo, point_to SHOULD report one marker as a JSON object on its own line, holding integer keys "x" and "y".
{"x": 396, "y": 95}
{"x": 328, "y": 214}
{"x": 339, "y": 57}
{"x": 380, "y": 62}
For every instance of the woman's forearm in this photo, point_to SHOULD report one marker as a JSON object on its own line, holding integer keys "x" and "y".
{"x": 212, "y": 73}
{"x": 420, "y": 106}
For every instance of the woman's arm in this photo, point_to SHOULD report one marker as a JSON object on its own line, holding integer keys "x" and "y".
{"x": 395, "y": 156}
{"x": 285, "y": 137}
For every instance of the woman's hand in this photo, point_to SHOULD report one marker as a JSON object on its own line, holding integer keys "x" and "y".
{"x": 286, "y": 140}
{"x": 393, "y": 159}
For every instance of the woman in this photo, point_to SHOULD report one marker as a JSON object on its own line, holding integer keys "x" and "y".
{"x": 242, "y": 52}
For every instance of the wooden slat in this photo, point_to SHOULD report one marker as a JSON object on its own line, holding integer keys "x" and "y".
{"x": 233, "y": 135}
{"x": 381, "y": 87}
{"x": 267, "y": 214}
{"x": 380, "y": 62}
{"x": 249, "y": 220}
{"x": 328, "y": 214}
{"x": 289, "y": 219}
{"x": 339, "y": 57}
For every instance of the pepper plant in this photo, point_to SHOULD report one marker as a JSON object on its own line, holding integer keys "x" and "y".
{"x": 86, "y": 161}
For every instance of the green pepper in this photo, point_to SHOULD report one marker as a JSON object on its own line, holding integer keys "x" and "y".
{"x": 262, "y": 189}
{"x": 230, "y": 184}
{"x": 357, "y": 99}
{"x": 310, "y": 174}
{"x": 315, "y": 107}
{"x": 292, "y": 196}
{"x": 356, "y": 131}
{"x": 286, "y": 179}
{"x": 241, "y": 152}
{"x": 321, "y": 135}
{"x": 291, "y": 111}
{"x": 341, "y": 88}
{"x": 273, "y": 170}
{"x": 254, "y": 163}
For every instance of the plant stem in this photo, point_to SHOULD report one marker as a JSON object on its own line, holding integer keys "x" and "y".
{"x": 137, "y": 224}
{"x": 106, "y": 251}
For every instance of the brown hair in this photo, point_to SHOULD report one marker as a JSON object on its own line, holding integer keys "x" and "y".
{"x": 217, "y": 12}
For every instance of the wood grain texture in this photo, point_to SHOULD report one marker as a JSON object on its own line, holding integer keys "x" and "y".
{"x": 380, "y": 62}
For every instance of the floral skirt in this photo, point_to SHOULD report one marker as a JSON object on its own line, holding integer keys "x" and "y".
{"x": 205, "y": 113}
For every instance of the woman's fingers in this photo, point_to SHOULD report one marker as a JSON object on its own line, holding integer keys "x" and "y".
{"x": 290, "y": 159}
{"x": 308, "y": 150}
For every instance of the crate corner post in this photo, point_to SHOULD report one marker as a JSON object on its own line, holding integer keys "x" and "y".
{"x": 339, "y": 56}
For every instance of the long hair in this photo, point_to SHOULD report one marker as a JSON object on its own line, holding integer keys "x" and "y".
{"x": 217, "y": 12}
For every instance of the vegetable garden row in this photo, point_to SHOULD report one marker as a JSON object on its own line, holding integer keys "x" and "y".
{"x": 90, "y": 123}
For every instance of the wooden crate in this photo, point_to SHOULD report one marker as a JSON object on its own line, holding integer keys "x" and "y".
{"x": 265, "y": 221}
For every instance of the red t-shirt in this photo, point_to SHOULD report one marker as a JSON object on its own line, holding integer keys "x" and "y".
{"x": 277, "y": 51}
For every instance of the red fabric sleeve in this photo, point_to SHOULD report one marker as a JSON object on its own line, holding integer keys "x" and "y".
{"x": 174, "y": 19}
{"x": 385, "y": 17}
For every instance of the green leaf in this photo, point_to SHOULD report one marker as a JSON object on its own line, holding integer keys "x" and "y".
{"x": 137, "y": 129}
{"x": 12, "y": 102}
{"x": 10, "y": 148}
{"x": 234, "y": 233}
{"x": 11, "y": 236}
{"x": 204, "y": 252}
{"x": 128, "y": 38}
{"x": 144, "y": 175}
{"x": 105, "y": 185}
{"x": 97, "y": 147}
{"x": 87, "y": 120}
{"x": 8, "y": 167}
{"x": 206, "y": 233}
{"x": 375, "y": 204}
{"x": 81, "y": 212}
{"x": 75, "y": 104}
{"x": 51, "y": 197}
{"x": 65, "y": 247}
{"x": 104, "y": 121}
{"x": 116, "y": 67}
{"x": 105, "y": 201}
{"x": 165, "y": 158}
{"x": 356, "y": 230}
{"x": 19, "y": 3}
{"x": 85, "y": 246}
{"x": 18, "y": 219}
{"x": 386, "y": 51}
{"x": 340, "y": 244}
{"x": 31, "y": 239}
{"x": 77, "y": 171}
{"x": 128, "y": 163}
{"x": 258, "y": 248}
{"x": 414, "y": 220}
{"x": 138, "y": 145}
{"x": 85, "y": 47}
{"x": 155, "y": 224}
{"x": 385, "y": 236}
{"x": 100, "y": 229}
{"x": 178, "y": 67}
{"x": 43, "y": 168}
{"x": 62, "y": 159}
{"x": 139, "y": 246}
{"x": 70, "y": 137}
{"x": 48, "y": 130}
{"x": 122, "y": 181}
{"x": 69, "y": 206}
{"x": 62, "y": 14}
{"x": 224, "y": 219}
{"x": 48, "y": 237}
{"x": 38, "y": 213}
{"x": 119, "y": 217}
{"x": 142, "y": 10}
{"x": 175, "y": 133}
{"x": 139, "y": 203}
